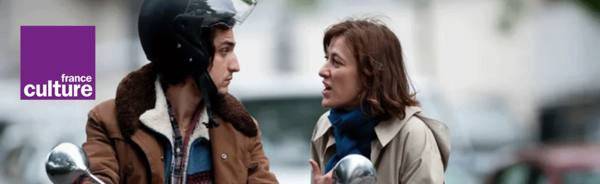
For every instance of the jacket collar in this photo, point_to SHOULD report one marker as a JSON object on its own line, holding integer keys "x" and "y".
{"x": 137, "y": 96}
{"x": 158, "y": 120}
{"x": 385, "y": 130}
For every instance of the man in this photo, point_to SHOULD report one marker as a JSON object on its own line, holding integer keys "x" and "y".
{"x": 172, "y": 121}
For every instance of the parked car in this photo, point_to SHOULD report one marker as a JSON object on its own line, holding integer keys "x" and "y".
{"x": 567, "y": 148}
{"x": 553, "y": 164}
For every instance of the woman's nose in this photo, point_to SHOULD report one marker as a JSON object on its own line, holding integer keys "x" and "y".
{"x": 324, "y": 72}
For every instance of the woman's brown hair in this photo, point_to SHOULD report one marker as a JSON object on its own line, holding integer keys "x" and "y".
{"x": 380, "y": 66}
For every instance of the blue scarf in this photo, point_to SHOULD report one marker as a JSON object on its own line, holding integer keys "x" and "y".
{"x": 353, "y": 134}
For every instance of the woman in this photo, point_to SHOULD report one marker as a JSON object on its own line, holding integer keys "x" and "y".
{"x": 372, "y": 110}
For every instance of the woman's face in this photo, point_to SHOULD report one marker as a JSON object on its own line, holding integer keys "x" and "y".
{"x": 340, "y": 76}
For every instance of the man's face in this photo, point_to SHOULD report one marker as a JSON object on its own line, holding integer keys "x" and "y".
{"x": 225, "y": 62}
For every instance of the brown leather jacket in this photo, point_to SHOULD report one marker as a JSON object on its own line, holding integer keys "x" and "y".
{"x": 123, "y": 146}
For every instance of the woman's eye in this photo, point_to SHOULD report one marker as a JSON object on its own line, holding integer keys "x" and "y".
{"x": 335, "y": 62}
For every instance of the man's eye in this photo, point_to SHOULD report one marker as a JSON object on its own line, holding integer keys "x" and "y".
{"x": 224, "y": 51}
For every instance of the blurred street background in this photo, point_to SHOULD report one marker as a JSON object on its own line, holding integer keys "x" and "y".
{"x": 516, "y": 81}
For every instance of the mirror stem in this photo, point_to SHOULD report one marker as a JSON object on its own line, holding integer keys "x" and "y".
{"x": 94, "y": 178}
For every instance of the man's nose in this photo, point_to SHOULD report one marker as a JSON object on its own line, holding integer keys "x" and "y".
{"x": 234, "y": 66}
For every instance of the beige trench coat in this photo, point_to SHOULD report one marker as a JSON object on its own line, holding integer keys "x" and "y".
{"x": 410, "y": 150}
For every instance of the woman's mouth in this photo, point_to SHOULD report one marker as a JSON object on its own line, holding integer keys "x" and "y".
{"x": 327, "y": 91}
{"x": 327, "y": 87}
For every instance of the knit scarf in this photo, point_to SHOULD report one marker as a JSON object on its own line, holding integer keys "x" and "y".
{"x": 353, "y": 134}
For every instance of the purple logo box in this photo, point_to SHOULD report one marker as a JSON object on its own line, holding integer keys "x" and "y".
{"x": 58, "y": 63}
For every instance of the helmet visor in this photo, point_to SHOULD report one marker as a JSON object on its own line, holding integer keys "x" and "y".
{"x": 236, "y": 9}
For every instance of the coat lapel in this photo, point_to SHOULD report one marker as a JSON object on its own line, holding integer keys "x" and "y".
{"x": 324, "y": 132}
{"x": 157, "y": 119}
{"x": 387, "y": 130}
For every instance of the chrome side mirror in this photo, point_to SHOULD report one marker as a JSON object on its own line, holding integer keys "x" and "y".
{"x": 66, "y": 163}
{"x": 354, "y": 169}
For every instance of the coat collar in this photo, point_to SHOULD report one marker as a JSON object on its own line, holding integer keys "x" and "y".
{"x": 158, "y": 120}
{"x": 385, "y": 130}
{"x": 137, "y": 96}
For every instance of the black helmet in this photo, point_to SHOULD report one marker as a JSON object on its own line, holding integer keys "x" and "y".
{"x": 175, "y": 35}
